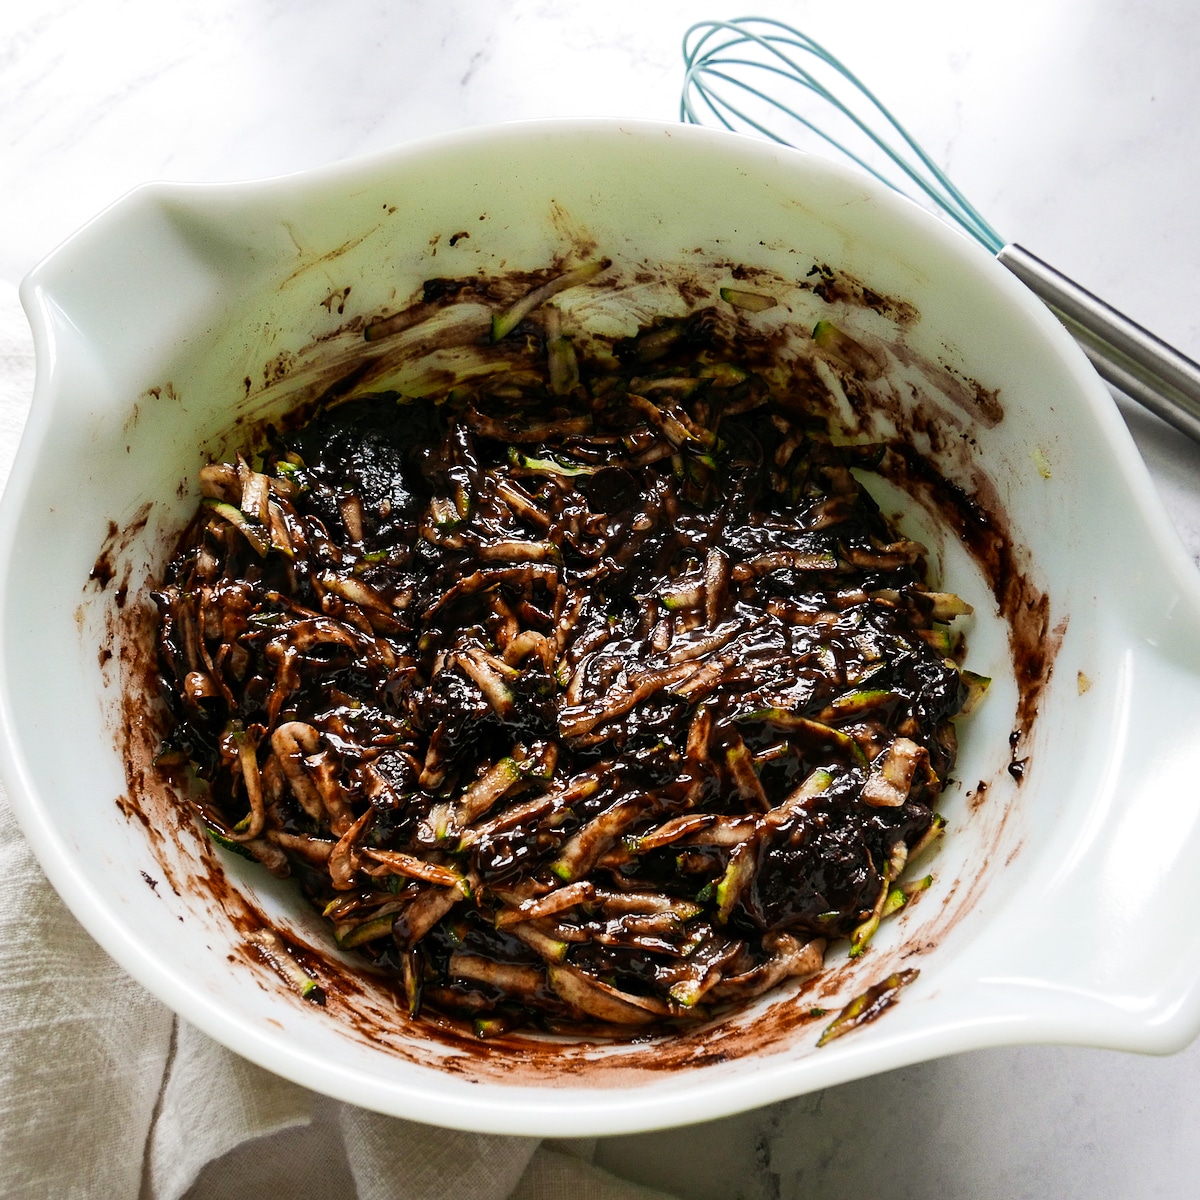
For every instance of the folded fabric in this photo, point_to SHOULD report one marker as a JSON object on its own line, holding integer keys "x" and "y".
{"x": 105, "y": 1093}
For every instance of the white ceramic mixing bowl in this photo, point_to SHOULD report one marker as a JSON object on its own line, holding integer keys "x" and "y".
{"x": 1062, "y": 906}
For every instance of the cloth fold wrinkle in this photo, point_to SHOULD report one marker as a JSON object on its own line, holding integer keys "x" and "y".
{"x": 82, "y": 1048}
{"x": 553, "y": 1174}
{"x": 400, "y": 1160}
{"x": 212, "y": 1101}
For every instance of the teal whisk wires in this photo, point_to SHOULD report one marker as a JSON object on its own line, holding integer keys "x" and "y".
{"x": 755, "y": 74}
{"x": 724, "y": 58}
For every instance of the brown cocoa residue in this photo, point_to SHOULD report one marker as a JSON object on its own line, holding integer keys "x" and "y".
{"x": 104, "y": 570}
{"x": 977, "y": 795}
{"x": 835, "y": 286}
{"x": 984, "y": 530}
{"x": 369, "y": 1007}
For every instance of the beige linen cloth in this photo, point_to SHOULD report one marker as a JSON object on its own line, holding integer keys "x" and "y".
{"x": 105, "y": 1093}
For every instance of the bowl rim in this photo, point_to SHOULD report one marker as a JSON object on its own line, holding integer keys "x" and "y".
{"x": 592, "y": 1110}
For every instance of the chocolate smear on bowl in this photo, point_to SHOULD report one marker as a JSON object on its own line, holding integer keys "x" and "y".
{"x": 613, "y": 486}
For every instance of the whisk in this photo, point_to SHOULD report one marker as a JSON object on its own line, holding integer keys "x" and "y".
{"x": 750, "y": 75}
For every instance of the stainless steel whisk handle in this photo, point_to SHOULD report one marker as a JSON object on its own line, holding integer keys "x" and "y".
{"x": 1129, "y": 357}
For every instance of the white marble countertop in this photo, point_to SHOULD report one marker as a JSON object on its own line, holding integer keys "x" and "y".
{"x": 1070, "y": 123}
